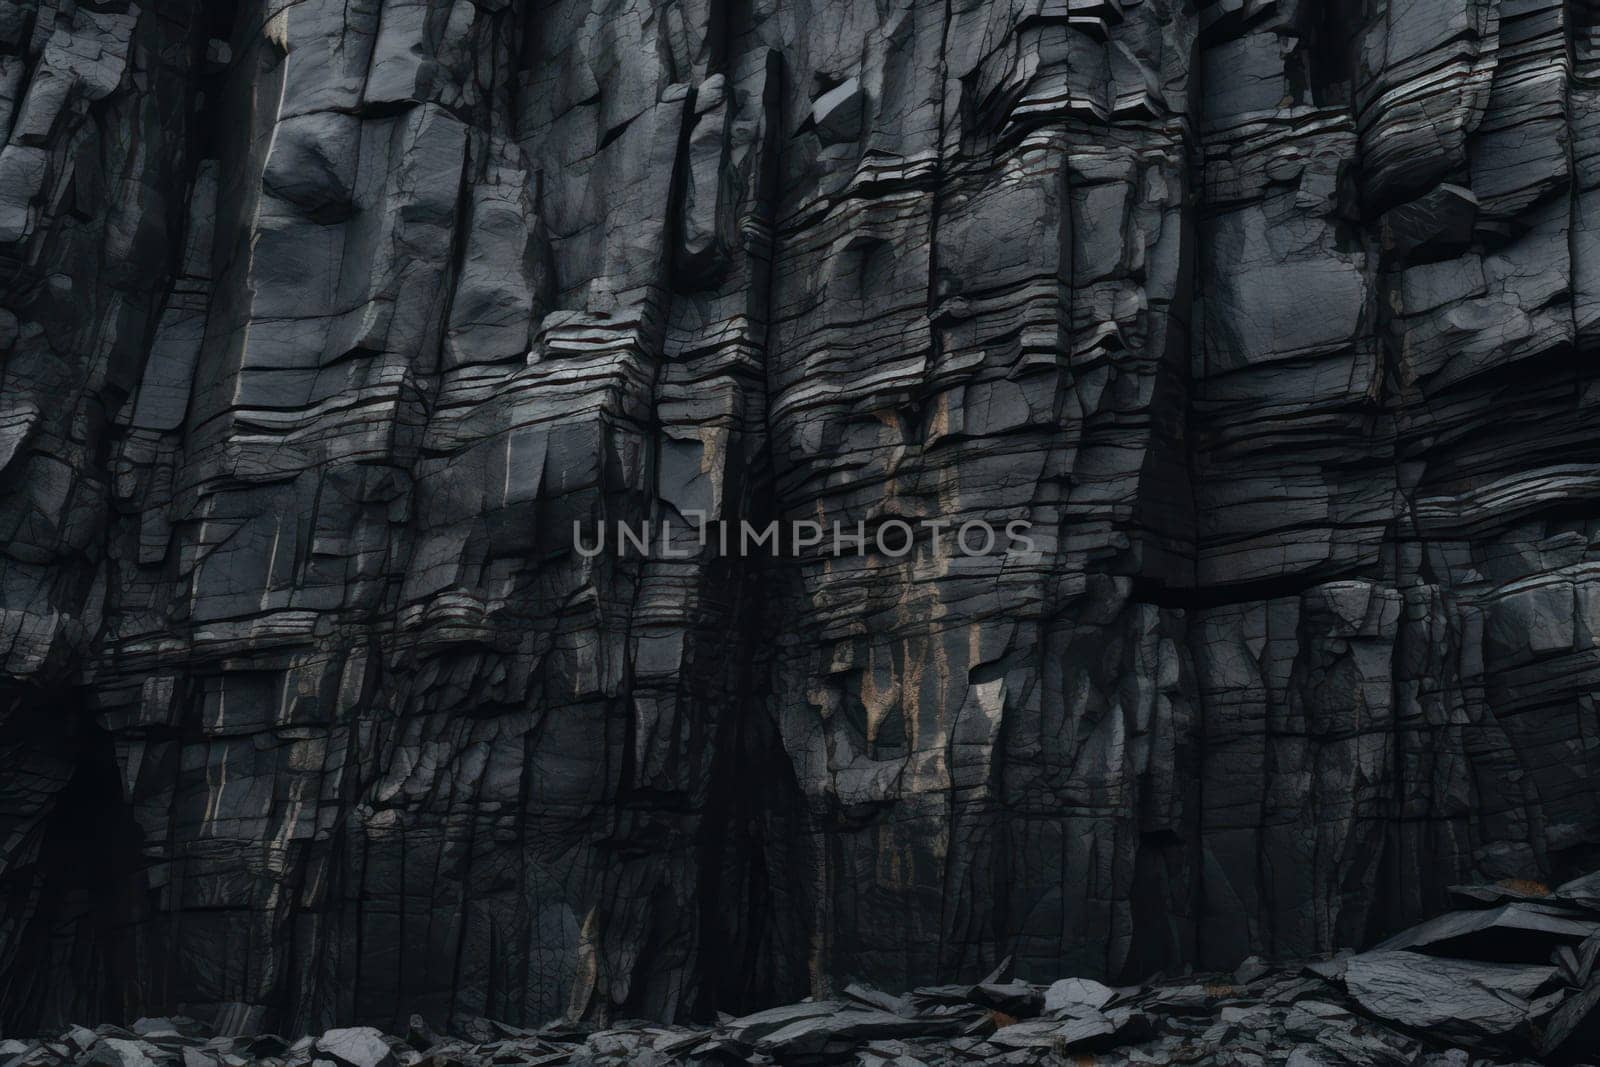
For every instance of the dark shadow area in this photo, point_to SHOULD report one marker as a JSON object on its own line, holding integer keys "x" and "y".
{"x": 73, "y": 909}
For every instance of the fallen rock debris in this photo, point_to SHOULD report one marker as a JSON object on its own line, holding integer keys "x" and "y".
{"x": 1509, "y": 980}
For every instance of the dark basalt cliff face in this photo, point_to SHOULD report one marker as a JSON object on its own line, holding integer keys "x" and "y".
{"x": 326, "y": 319}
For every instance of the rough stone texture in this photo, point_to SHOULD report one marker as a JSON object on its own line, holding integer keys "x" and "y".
{"x": 1437, "y": 1004}
{"x": 325, "y": 319}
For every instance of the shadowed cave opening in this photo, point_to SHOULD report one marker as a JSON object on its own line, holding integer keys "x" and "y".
{"x": 78, "y": 901}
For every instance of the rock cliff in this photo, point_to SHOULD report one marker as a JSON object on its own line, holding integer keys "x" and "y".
{"x": 325, "y": 320}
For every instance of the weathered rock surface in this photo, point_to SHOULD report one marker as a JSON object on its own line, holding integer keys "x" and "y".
{"x": 324, "y": 321}
{"x": 1389, "y": 1006}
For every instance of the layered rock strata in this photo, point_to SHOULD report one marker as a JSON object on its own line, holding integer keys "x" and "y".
{"x": 325, "y": 321}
